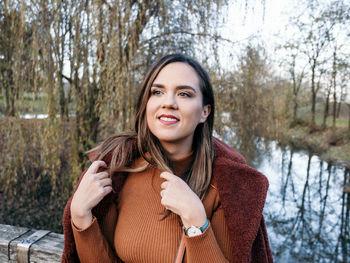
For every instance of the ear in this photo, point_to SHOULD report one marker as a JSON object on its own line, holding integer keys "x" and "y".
{"x": 205, "y": 113}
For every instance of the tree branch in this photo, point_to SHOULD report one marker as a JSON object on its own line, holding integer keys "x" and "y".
{"x": 67, "y": 78}
{"x": 215, "y": 37}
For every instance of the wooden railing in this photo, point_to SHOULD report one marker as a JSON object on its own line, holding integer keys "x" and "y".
{"x": 19, "y": 244}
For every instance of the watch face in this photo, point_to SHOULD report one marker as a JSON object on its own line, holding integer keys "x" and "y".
{"x": 193, "y": 231}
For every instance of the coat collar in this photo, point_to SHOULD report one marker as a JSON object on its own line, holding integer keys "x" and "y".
{"x": 242, "y": 192}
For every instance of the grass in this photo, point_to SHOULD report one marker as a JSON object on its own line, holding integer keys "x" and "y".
{"x": 34, "y": 103}
{"x": 28, "y": 103}
{"x": 341, "y": 122}
{"x": 304, "y": 113}
{"x": 338, "y": 154}
{"x": 331, "y": 144}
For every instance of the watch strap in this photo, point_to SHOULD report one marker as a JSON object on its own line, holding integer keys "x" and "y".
{"x": 205, "y": 226}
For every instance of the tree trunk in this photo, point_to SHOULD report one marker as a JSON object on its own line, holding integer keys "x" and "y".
{"x": 313, "y": 98}
{"x": 349, "y": 118}
{"x": 326, "y": 108}
{"x": 295, "y": 93}
{"x": 334, "y": 74}
{"x": 63, "y": 99}
{"x": 334, "y": 108}
{"x": 51, "y": 87}
{"x": 9, "y": 95}
{"x": 339, "y": 108}
{"x": 9, "y": 22}
{"x": 295, "y": 108}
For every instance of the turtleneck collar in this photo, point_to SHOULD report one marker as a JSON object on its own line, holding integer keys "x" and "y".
{"x": 183, "y": 164}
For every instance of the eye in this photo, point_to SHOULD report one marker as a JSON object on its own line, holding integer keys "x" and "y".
{"x": 156, "y": 92}
{"x": 185, "y": 94}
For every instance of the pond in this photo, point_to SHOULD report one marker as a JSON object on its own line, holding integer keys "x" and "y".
{"x": 307, "y": 208}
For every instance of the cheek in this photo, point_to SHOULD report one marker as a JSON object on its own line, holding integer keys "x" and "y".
{"x": 151, "y": 103}
{"x": 148, "y": 107}
{"x": 149, "y": 113}
{"x": 196, "y": 112}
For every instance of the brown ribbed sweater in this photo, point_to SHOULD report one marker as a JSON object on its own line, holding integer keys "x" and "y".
{"x": 138, "y": 234}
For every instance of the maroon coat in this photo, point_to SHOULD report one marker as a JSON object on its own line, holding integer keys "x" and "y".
{"x": 242, "y": 192}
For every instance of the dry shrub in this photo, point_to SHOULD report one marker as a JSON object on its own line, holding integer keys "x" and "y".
{"x": 35, "y": 180}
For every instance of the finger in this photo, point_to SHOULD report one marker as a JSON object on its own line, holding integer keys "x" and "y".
{"x": 106, "y": 182}
{"x": 164, "y": 185}
{"x": 166, "y": 175}
{"x": 107, "y": 189}
{"x": 165, "y": 204}
{"x": 95, "y": 165}
{"x": 162, "y": 193}
{"x": 102, "y": 175}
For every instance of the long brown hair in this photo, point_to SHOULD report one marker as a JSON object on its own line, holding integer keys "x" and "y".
{"x": 128, "y": 146}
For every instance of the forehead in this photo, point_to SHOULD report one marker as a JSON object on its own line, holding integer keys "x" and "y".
{"x": 178, "y": 73}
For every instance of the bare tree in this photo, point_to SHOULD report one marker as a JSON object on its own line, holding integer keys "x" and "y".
{"x": 11, "y": 52}
{"x": 247, "y": 100}
{"x": 316, "y": 28}
{"x": 297, "y": 77}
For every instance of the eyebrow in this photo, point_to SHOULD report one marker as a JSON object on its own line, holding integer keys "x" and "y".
{"x": 180, "y": 87}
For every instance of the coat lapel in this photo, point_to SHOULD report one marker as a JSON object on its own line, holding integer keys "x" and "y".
{"x": 242, "y": 191}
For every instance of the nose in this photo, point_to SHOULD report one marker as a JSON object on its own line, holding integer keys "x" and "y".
{"x": 169, "y": 101}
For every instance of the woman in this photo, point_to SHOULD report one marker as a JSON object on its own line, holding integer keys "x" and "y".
{"x": 168, "y": 190}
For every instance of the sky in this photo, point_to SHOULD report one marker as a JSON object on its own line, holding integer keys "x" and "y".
{"x": 258, "y": 19}
{"x": 267, "y": 22}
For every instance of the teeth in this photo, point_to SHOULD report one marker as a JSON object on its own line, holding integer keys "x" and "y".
{"x": 167, "y": 119}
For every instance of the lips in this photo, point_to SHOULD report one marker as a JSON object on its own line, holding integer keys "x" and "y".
{"x": 168, "y": 119}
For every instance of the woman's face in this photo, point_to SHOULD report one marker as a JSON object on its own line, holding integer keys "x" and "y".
{"x": 175, "y": 106}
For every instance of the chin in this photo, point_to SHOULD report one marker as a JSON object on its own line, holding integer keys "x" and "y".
{"x": 168, "y": 139}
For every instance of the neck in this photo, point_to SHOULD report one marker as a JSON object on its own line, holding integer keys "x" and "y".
{"x": 175, "y": 151}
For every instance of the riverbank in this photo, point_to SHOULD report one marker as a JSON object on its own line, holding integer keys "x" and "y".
{"x": 332, "y": 145}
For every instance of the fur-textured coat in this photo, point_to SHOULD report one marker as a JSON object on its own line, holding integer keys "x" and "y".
{"x": 242, "y": 192}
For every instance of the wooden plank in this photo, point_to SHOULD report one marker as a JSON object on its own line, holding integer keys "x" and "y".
{"x": 47, "y": 249}
{"x": 8, "y": 233}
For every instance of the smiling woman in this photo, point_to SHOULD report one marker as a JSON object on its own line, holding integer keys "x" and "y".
{"x": 168, "y": 190}
{"x": 175, "y": 108}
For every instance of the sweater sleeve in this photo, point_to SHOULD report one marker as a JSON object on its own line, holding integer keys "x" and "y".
{"x": 91, "y": 245}
{"x": 95, "y": 243}
{"x": 213, "y": 245}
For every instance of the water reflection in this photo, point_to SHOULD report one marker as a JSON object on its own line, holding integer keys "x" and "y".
{"x": 307, "y": 212}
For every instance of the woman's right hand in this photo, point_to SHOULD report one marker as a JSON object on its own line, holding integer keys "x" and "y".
{"x": 91, "y": 190}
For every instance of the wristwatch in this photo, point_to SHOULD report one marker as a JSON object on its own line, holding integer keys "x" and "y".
{"x": 196, "y": 230}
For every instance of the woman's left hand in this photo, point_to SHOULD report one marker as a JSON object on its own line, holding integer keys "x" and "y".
{"x": 179, "y": 198}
